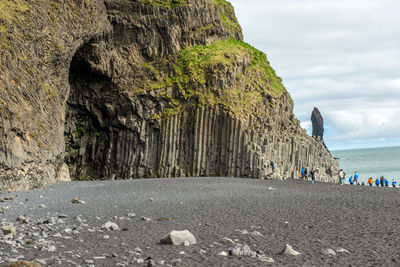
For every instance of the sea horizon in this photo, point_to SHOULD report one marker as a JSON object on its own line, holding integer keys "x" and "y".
{"x": 370, "y": 162}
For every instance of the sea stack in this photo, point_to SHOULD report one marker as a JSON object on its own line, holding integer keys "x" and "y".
{"x": 317, "y": 124}
{"x": 137, "y": 89}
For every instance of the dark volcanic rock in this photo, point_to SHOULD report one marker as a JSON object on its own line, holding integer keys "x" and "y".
{"x": 317, "y": 124}
{"x": 133, "y": 89}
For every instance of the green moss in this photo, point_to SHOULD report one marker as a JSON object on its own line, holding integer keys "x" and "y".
{"x": 194, "y": 68}
{"x": 166, "y": 3}
{"x": 228, "y": 18}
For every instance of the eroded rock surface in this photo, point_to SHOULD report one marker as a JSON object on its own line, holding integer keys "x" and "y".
{"x": 134, "y": 89}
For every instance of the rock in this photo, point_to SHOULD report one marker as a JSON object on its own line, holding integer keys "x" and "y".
{"x": 266, "y": 259}
{"x": 329, "y": 251}
{"x": 9, "y": 231}
{"x": 77, "y": 201}
{"x": 228, "y": 240}
{"x": 317, "y": 124}
{"x": 242, "y": 250}
{"x": 131, "y": 215}
{"x": 22, "y": 219}
{"x": 223, "y": 254}
{"x": 288, "y": 250}
{"x": 23, "y": 264}
{"x": 42, "y": 206}
{"x": 146, "y": 219}
{"x": 150, "y": 263}
{"x": 342, "y": 250}
{"x": 110, "y": 226}
{"x": 166, "y": 219}
{"x": 63, "y": 173}
{"x": 178, "y": 238}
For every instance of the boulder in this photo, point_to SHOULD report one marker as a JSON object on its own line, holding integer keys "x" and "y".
{"x": 179, "y": 238}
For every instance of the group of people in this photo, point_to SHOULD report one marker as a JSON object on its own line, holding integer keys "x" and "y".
{"x": 353, "y": 180}
{"x": 304, "y": 174}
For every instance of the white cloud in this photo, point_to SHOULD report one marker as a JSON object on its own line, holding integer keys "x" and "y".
{"x": 341, "y": 56}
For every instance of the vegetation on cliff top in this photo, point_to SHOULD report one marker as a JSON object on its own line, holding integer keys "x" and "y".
{"x": 241, "y": 93}
{"x": 166, "y": 3}
{"x": 228, "y": 18}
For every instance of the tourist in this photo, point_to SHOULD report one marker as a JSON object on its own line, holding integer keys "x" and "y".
{"x": 306, "y": 173}
{"x": 351, "y": 180}
{"x": 394, "y": 183}
{"x": 377, "y": 182}
{"x": 356, "y": 178}
{"x": 382, "y": 182}
{"x": 341, "y": 176}
{"x": 302, "y": 172}
{"x": 272, "y": 166}
{"x": 370, "y": 181}
{"x": 313, "y": 176}
{"x": 386, "y": 182}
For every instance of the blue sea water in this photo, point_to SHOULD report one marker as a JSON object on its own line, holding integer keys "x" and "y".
{"x": 370, "y": 162}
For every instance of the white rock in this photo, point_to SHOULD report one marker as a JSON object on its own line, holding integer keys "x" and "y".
{"x": 288, "y": 250}
{"x": 267, "y": 259}
{"x": 228, "y": 240}
{"x": 110, "y": 226}
{"x": 223, "y": 254}
{"x": 178, "y": 238}
{"x": 9, "y": 231}
{"x": 131, "y": 215}
{"x": 329, "y": 251}
{"x": 342, "y": 250}
{"x": 63, "y": 173}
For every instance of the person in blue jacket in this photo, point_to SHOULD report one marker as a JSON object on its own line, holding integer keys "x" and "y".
{"x": 394, "y": 183}
{"x": 377, "y": 182}
{"x": 302, "y": 172}
{"x": 386, "y": 182}
{"x": 356, "y": 178}
{"x": 350, "y": 180}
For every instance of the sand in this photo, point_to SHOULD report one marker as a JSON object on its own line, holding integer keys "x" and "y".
{"x": 311, "y": 218}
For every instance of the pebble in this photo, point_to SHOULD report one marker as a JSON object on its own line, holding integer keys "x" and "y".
{"x": 223, "y": 254}
{"x": 77, "y": 201}
{"x": 288, "y": 250}
{"x": 329, "y": 251}
{"x": 342, "y": 250}
{"x": 110, "y": 226}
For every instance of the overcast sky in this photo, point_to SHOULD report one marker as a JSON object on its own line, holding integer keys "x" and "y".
{"x": 342, "y": 56}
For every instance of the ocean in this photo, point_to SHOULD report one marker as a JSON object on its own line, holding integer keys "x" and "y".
{"x": 370, "y": 162}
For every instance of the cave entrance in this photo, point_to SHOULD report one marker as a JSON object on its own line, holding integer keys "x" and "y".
{"x": 87, "y": 135}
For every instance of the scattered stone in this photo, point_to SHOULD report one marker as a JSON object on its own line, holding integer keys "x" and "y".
{"x": 77, "y": 201}
{"x": 62, "y": 216}
{"x": 138, "y": 250}
{"x": 241, "y": 250}
{"x": 131, "y": 215}
{"x": 271, "y": 188}
{"x": 151, "y": 198}
{"x": 146, "y": 219}
{"x": 41, "y": 261}
{"x": 9, "y": 231}
{"x": 150, "y": 262}
{"x": 42, "y": 206}
{"x": 178, "y": 238}
{"x": 164, "y": 219}
{"x": 181, "y": 253}
{"x": 23, "y": 264}
{"x": 202, "y": 251}
{"x": 329, "y": 251}
{"x": 228, "y": 240}
{"x": 288, "y": 250}
{"x": 267, "y": 259}
{"x": 106, "y": 237}
{"x": 10, "y": 197}
{"x": 22, "y": 219}
{"x": 342, "y": 250}
{"x": 223, "y": 254}
{"x": 110, "y": 226}
{"x": 139, "y": 261}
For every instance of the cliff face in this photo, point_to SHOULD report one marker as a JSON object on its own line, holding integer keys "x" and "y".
{"x": 140, "y": 88}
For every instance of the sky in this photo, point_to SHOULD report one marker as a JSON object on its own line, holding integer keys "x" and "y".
{"x": 342, "y": 56}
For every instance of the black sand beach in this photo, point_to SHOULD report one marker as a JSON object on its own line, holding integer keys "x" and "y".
{"x": 360, "y": 224}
